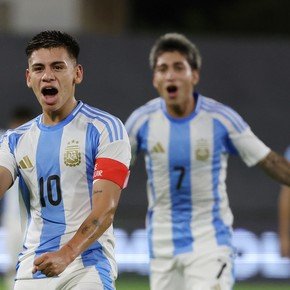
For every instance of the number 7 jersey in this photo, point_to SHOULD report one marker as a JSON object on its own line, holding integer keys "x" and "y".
{"x": 56, "y": 166}
{"x": 186, "y": 162}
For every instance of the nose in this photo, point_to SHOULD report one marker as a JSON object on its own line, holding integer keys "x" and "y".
{"x": 48, "y": 75}
{"x": 170, "y": 75}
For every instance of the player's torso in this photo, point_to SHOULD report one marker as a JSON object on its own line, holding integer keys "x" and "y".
{"x": 184, "y": 156}
{"x": 55, "y": 172}
{"x": 55, "y": 167}
{"x": 185, "y": 161}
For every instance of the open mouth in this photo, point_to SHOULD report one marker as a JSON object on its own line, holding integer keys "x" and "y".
{"x": 49, "y": 91}
{"x": 172, "y": 89}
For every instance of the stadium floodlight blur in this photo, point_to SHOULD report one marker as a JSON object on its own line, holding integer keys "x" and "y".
{"x": 5, "y": 260}
{"x": 256, "y": 256}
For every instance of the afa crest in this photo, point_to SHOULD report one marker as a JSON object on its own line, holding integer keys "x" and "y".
{"x": 72, "y": 155}
{"x": 202, "y": 150}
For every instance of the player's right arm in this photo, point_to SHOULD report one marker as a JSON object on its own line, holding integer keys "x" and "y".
{"x": 8, "y": 166}
{"x": 284, "y": 220}
{"x": 135, "y": 125}
{"x": 6, "y": 180}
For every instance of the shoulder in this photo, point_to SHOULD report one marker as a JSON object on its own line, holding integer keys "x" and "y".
{"x": 223, "y": 113}
{"x": 148, "y": 108}
{"x": 12, "y": 136}
{"x": 103, "y": 121}
{"x": 214, "y": 106}
{"x": 142, "y": 113}
{"x": 22, "y": 129}
{"x": 96, "y": 115}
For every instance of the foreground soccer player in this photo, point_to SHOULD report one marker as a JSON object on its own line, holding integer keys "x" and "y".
{"x": 187, "y": 138}
{"x": 72, "y": 162}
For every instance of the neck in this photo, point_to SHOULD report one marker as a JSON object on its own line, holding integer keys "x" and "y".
{"x": 181, "y": 110}
{"x": 54, "y": 117}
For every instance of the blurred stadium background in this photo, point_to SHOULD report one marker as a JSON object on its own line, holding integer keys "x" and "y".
{"x": 246, "y": 60}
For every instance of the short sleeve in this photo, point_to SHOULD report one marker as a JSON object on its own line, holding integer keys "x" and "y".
{"x": 250, "y": 147}
{"x": 113, "y": 157}
{"x": 7, "y": 158}
{"x": 133, "y": 125}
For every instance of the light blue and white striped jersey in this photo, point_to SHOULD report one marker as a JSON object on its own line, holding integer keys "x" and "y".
{"x": 186, "y": 163}
{"x": 55, "y": 165}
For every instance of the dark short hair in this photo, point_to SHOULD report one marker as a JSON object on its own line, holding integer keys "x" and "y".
{"x": 175, "y": 42}
{"x": 52, "y": 39}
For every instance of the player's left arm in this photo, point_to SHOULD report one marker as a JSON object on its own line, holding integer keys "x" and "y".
{"x": 284, "y": 220}
{"x": 105, "y": 200}
{"x": 277, "y": 167}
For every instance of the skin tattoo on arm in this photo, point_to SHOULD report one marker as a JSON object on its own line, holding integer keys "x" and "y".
{"x": 90, "y": 228}
{"x": 97, "y": 191}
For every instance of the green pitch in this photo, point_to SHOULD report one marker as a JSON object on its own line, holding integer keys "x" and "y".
{"x": 134, "y": 282}
{"x": 126, "y": 282}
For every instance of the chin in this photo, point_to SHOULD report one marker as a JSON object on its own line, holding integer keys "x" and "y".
{"x": 172, "y": 101}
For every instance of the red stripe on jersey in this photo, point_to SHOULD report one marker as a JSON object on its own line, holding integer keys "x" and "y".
{"x": 113, "y": 170}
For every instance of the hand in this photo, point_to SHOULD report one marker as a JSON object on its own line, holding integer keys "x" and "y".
{"x": 53, "y": 263}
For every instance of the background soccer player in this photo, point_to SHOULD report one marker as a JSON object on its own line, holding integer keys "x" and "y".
{"x": 72, "y": 162}
{"x": 187, "y": 138}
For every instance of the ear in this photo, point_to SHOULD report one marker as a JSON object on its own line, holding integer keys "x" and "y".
{"x": 154, "y": 82}
{"x": 79, "y": 73}
{"x": 195, "y": 77}
{"x": 28, "y": 79}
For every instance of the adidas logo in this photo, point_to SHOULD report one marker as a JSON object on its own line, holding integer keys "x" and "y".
{"x": 157, "y": 148}
{"x": 25, "y": 163}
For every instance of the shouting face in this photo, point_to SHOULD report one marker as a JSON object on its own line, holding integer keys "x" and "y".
{"x": 52, "y": 75}
{"x": 174, "y": 79}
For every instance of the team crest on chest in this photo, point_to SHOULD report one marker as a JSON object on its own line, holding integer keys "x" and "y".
{"x": 202, "y": 150}
{"x": 72, "y": 154}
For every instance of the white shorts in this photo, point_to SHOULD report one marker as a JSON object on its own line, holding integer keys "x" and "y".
{"x": 211, "y": 270}
{"x": 83, "y": 279}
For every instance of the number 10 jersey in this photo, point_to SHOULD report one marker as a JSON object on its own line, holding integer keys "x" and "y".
{"x": 55, "y": 165}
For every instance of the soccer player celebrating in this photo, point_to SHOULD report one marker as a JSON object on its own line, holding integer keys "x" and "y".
{"x": 72, "y": 162}
{"x": 187, "y": 138}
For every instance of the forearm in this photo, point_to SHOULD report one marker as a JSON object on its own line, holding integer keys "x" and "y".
{"x": 5, "y": 180}
{"x": 276, "y": 167}
{"x": 284, "y": 212}
{"x": 104, "y": 204}
{"x": 284, "y": 221}
{"x": 90, "y": 230}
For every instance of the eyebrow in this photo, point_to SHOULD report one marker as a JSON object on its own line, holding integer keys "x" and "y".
{"x": 53, "y": 63}
{"x": 166, "y": 64}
